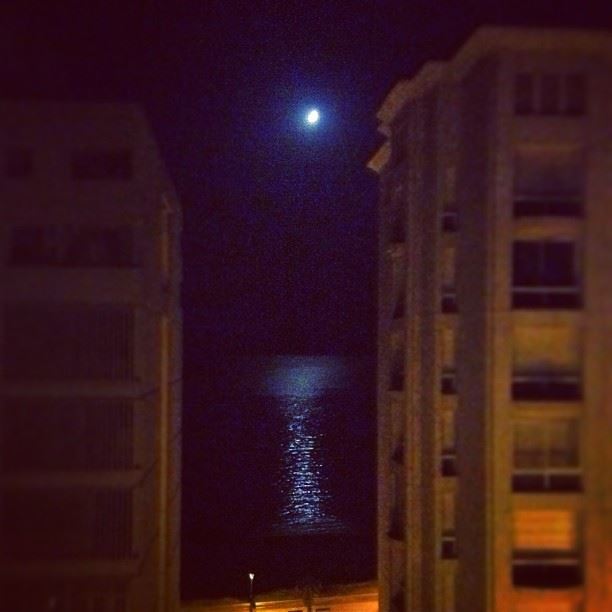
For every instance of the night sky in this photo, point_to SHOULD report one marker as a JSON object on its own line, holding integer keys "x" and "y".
{"x": 279, "y": 241}
{"x": 279, "y": 237}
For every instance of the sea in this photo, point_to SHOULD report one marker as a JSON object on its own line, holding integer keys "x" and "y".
{"x": 278, "y": 473}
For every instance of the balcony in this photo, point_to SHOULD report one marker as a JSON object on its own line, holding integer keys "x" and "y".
{"x": 547, "y": 480}
{"x": 547, "y": 573}
{"x": 546, "y": 386}
{"x": 544, "y": 297}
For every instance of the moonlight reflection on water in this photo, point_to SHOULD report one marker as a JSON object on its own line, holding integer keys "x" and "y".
{"x": 298, "y": 387}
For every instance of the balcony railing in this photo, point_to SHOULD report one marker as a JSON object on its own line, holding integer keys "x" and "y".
{"x": 545, "y": 386}
{"x": 547, "y": 573}
{"x": 547, "y": 480}
{"x": 546, "y": 297}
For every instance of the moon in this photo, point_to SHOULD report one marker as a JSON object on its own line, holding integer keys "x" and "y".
{"x": 313, "y": 116}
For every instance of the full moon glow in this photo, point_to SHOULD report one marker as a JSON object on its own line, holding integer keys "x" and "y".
{"x": 313, "y": 116}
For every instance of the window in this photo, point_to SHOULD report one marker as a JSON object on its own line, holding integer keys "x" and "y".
{"x": 69, "y": 246}
{"x": 66, "y": 434}
{"x": 448, "y": 544}
{"x": 546, "y": 456}
{"x": 102, "y": 165}
{"x": 550, "y": 94}
{"x": 524, "y": 94}
{"x": 448, "y": 383}
{"x": 62, "y": 523}
{"x": 400, "y": 305}
{"x": 18, "y": 163}
{"x": 546, "y": 549}
{"x": 548, "y": 181}
{"x": 69, "y": 341}
{"x": 575, "y": 94}
{"x": 544, "y": 275}
{"x": 448, "y": 464}
{"x": 546, "y": 386}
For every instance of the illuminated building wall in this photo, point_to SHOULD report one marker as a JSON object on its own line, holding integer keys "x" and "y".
{"x": 90, "y": 339}
{"x": 495, "y": 337}
{"x": 361, "y": 597}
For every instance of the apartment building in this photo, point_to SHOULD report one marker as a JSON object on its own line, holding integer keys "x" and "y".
{"x": 90, "y": 342}
{"x": 495, "y": 328}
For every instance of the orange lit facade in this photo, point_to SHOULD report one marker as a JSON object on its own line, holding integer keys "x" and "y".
{"x": 495, "y": 328}
{"x": 361, "y": 597}
{"x": 90, "y": 337}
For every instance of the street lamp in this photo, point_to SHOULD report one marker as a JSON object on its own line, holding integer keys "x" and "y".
{"x": 251, "y": 602}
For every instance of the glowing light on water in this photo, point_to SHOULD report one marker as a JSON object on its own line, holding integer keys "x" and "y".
{"x": 306, "y": 500}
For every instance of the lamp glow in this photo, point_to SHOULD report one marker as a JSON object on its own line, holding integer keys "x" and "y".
{"x": 313, "y": 116}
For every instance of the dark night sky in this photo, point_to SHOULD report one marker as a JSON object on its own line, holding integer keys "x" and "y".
{"x": 279, "y": 237}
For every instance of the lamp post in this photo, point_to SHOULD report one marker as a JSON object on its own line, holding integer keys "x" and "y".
{"x": 251, "y": 602}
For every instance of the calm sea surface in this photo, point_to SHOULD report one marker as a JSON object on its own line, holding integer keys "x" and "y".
{"x": 278, "y": 476}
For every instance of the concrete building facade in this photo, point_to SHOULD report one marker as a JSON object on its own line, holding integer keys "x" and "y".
{"x": 495, "y": 328}
{"x": 90, "y": 342}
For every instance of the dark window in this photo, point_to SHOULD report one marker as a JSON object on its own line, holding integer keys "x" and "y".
{"x": 66, "y": 434}
{"x": 63, "y": 523}
{"x": 546, "y": 386}
{"x": 543, "y": 275}
{"x": 549, "y": 206}
{"x": 18, "y": 163}
{"x": 550, "y": 103}
{"x": 400, "y": 306}
{"x": 66, "y": 246}
{"x": 548, "y": 575}
{"x": 575, "y": 92}
{"x": 102, "y": 165}
{"x": 450, "y": 221}
{"x": 523, "y": 94}
{"x": 70, "y": 341}
{"x": 449, "y": 302}
{"x": 449, "y": 547}
{"x": 448, "y": 383}
{"x": 448, "y": 465}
